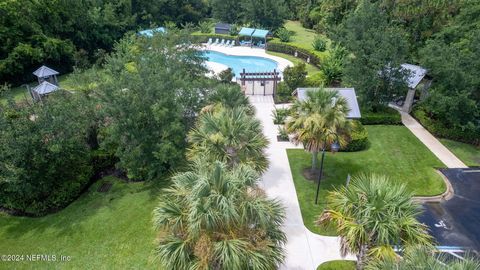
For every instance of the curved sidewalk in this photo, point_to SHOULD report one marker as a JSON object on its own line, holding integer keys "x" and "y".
{"x": 304, "y": 249}
{"x": 435, "y": 146}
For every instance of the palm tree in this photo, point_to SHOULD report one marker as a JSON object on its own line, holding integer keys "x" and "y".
{"x": 420, "y": 257}
{"x": 319, "y": 121}
{"x": 229, "y": 96}
{"x": 229, "y": 135}
{"x": 215, "y": 218}
{"x": 372, "y": 215}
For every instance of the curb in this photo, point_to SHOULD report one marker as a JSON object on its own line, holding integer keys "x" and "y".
{"x": 445, "y": 196}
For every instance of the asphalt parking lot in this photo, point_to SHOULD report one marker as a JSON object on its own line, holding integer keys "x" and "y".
{"x": 456, "y": 222}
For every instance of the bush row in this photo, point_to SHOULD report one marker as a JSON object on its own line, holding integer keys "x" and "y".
{"x": 386, "y": 116}
{"x": 203, "y": 38}
{"x": 440, "y": 130}
{"x": 358, "y": 139}
{"x": 276, "y": 46}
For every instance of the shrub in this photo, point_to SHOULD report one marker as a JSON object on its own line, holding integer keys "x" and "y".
{"x": 205, "y": 27}
{"x": 233, "y": 30}
{"x": 282, "y": 133}
{"x": 280, "y": 115}
{"x": 319, "y": 44}
{"x": 295, "y": 76}
{"x": 276, "y": 46}
{"x": 226, "y": 75}
{"x": 440, "y": 130}
{"x": 284, "y": 35}
{"x": 381, "y": 116}
{"x": 358, "y": 139}
{"x": 283, "y": 93}
{"x": 315, "y": 80}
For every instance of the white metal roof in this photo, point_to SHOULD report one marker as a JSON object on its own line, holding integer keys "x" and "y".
{"x": 416, "y": 74}
{"x": 45, "y": 88}
{"x": 44, "y": 71}
{"x": 348, "y": 93}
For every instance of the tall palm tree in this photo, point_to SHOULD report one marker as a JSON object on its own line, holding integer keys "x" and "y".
{"x": 420, "y": 257}
{"x": 229, "y": 135}
{"x": 372, "y": 215}
{"x": 215, "y": 218}
{"x": 319, "y": 121}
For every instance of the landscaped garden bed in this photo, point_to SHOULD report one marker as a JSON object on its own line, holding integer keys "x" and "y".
{"x": 393, "y": 151}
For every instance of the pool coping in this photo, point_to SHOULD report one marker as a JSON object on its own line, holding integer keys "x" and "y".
{"x": 247, "y": 51}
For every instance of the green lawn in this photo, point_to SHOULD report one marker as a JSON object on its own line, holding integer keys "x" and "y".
{"x": 469, "y": 154}
{"x": 311, "y": 69}
{"x": 393, "y": 151}
{"x": 303, "y": 37}
{"x": 337, "y": 265}
{"x": 99, "y": 231}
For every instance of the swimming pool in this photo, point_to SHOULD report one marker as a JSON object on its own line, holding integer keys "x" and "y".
{"x": 238, "y": 63}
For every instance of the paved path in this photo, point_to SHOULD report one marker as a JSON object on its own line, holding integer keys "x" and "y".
{"x": 305, "y": 250}
{"x": 435, "y": 146}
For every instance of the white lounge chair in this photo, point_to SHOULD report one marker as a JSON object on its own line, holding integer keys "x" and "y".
{"x": 227, "y": 44}
{"x": 232, "y": 43}
{"x": 216, "y": 42}
{"x": 222, "y": 42}
{"x": 209, "y": 41}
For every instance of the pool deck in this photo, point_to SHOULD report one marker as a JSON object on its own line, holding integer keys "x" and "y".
{"x": 245, "y": 51}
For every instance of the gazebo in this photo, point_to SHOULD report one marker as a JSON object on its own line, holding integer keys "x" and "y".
{"x": 43, "y": 89}
{"x": 262, "y": 34}
{"x": 45, "y": 73}
{"x": 151, "y": 32}
{"x": 416, "y": 75}
{"x": 246, "y": 32}
{"x": 222, "y": 28}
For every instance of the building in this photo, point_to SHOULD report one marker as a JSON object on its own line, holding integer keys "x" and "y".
{"x": 42, "y": 90}
{"x": 45, "y": 73}
{"x": 417, "y": 75}
{"x": 223, "y": 28}
{"x": 348, "y": 93}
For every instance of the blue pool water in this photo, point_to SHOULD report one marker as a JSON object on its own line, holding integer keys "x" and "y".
{"x": 238, "y": 63}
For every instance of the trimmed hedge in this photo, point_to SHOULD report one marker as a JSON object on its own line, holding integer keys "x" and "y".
{"x": 358, "y": 139}
{"x": 384, "y": 116}
{"x": 276, "y": 46}
{"x": 203, "y": 38}
{"x": 440, "y": 130}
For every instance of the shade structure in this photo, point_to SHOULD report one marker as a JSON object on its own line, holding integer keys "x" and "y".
{"x": 245, "y": 31}
{"x": 45, "y": 88}
{"x": 348, "y": 93}
{"x": 260, "y": 33}
{"x": 44, "y": 72}
{"x": 151, "y": 32}
{"x": 416, "y": 74}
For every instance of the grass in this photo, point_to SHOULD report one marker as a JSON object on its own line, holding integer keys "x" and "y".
{"x": 469, "y": 154}
{"x": 99, "y": 231}
{"x": 393, "y": 151}
{"x": 311, "y": 69}
{"x": 337, "y": 265}
{"x": 304, "y": 37}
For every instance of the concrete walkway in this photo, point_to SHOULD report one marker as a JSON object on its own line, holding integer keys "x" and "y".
{"x": 304, "y": 249}
{"x": 435, "y": 146}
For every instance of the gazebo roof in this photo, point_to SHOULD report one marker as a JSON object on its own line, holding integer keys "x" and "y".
{"x": 348, "y": 93}
{"x": 150, "y": 32}
{"x": 44, "y": 71}
{"x": 245, "y": 31}
{"x": 45, "y": 88}
{"x": 417, "y": 73}
{"x": 260, "y": 33}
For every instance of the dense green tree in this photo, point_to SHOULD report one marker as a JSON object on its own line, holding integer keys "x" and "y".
{"x": 371, "y": 215}
{"x": 269, "y": 14}
{"x": 151, "y": 91}
{"x": 295, "y": 76}
{"x": 229, "y": 135}
{"x": 378, "y": 49}
{"x": 228, "y": 11}
{"x": 319, "y": 121}
{"x": 45, "y": 158}
{"x": 216, "y": 218}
